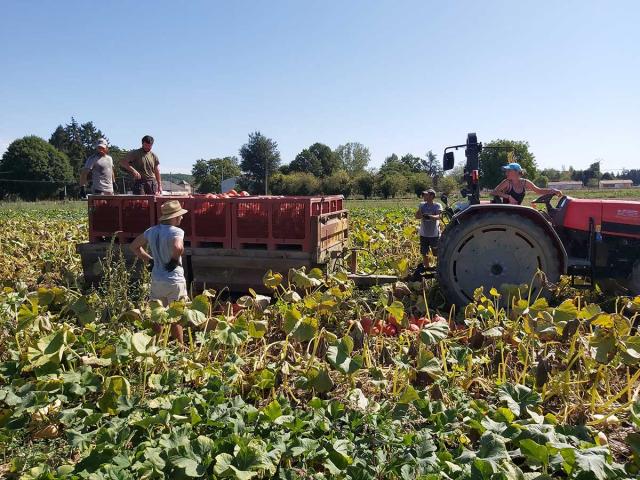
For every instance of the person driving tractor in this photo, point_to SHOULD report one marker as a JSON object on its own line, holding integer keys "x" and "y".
{"x": 513, "y": 188}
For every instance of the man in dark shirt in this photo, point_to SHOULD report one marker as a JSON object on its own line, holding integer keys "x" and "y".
{"x": 143, "y": 165}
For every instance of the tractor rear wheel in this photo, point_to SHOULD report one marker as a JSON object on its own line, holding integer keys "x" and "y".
{"x": 491, "y": 249}
{"x": 634, "y": 279}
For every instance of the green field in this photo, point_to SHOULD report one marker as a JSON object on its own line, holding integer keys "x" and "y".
{"x": 412, "y": 201}
{"x": 320, "y": 381}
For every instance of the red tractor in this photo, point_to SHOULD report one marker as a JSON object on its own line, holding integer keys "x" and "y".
{"x": 493, "y": 245}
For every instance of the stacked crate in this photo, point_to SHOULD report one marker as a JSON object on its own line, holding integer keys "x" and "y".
{"x": 241, "y": 223}
{"x": 122, "y": 216}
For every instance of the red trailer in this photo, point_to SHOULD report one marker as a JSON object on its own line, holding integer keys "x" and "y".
{"x": 230, "y": 242}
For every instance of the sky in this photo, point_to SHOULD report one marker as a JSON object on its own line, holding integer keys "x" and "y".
{"x": 398, "y": 76}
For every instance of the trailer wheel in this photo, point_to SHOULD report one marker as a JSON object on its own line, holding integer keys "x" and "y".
{"x": 491, "y": 249}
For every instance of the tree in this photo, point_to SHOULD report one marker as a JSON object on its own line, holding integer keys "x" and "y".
{"x": 590, "y": 176}
{"x": 393, "y": 184}
{"x": 542, "y": 181}
{"x": 492, "y": 160}
{"x": 353, "y": 157}
{"x": 77, "y": 142}
{"x": 552, "y": 174}
{"x": 318, "y": 159}
{"x": 338, "y": 183}
{"x": 449, "y": 184}
{"x": 420, "y": 182}
{"x": 208, "y": 174}
{"x": 412, "y": 162}
{"x": 32, "y": 158}
{"x": 432, "y": 166}
{"x": 364, "y": 184}
{"x": 307, "y": 162}
{"x": 296, "y": 183}
{"x": 393, "y": 164}
{"x": 259, "y": 155}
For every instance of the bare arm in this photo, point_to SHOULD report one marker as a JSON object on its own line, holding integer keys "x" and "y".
{"x": 500, "y": 190}
{"x": 158, "y": 178}
{"x": 177, "y": 248}
{"x": 137, "y": 247}
{"x": 83, "y": 177}
{"x": 529, "y": 185}
{"x": 124, "y": 163}
{"x": 420, "y": 215}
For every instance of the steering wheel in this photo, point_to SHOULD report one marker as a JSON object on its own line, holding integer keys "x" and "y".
{"x": 546, "y": 200}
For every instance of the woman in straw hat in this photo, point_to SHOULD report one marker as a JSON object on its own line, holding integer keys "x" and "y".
{"x": 166, "y": 242}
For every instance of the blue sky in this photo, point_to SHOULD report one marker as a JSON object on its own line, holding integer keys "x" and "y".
{"x": 397, "y": 76}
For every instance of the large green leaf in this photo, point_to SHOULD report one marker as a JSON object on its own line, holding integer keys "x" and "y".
{"x": 630, "y": 352}
{"x": 140, "y": 342}
{"x": 433, "y": 333}
{"x": 603, "y": 343}
{"x": 114, "y": 389}
{"x": 518, "y": 397}
{"x": 534, "y": 451}
{"x": 565, "y": 312}
{"x": 192, "y": 466}
{"x": 201, "y": 303}
{"x": 194, "y": 318}
{"x": 320, "y": 380}
{"x": 409, "y": 395}
{"x": 396, "y": 309}
{"x": 492, "y": 449}
{"x": 339, "y": 356}
{"x": 273, "y": 410}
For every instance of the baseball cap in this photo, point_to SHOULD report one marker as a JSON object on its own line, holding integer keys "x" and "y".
{"x": 430, "y": 190}
{"x": 512, "y": 166}
{"x": 102, "y": 143}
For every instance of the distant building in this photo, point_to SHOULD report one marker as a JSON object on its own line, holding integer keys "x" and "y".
{"x": 566, "y": 185}
{"x": 616, "y": 183}
{"x": 179, "y": 187}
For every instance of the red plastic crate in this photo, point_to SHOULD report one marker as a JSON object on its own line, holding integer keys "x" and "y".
{"x": 250, "y": 221}
{"x": 211, "y": 218}
{"x": 126, "y": 216}
{"x": 278, "y": 223}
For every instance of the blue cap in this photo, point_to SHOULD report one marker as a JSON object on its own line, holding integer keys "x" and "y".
{"x": 513, "y": 166}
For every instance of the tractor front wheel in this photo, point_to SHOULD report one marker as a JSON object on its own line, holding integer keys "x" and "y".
{"x": 494, "y": 249}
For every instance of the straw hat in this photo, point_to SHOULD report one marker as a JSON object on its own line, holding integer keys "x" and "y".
{"x": 171, "y": 209}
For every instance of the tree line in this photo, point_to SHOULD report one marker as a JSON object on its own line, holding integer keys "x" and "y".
{"x": 591, "y": 176}
{"x": 319, "y": 169}
{"x": 34, "y": 168}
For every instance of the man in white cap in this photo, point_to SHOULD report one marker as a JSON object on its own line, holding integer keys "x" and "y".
{"x": 166, "y": 242}
{"x": 101, "y": 167}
